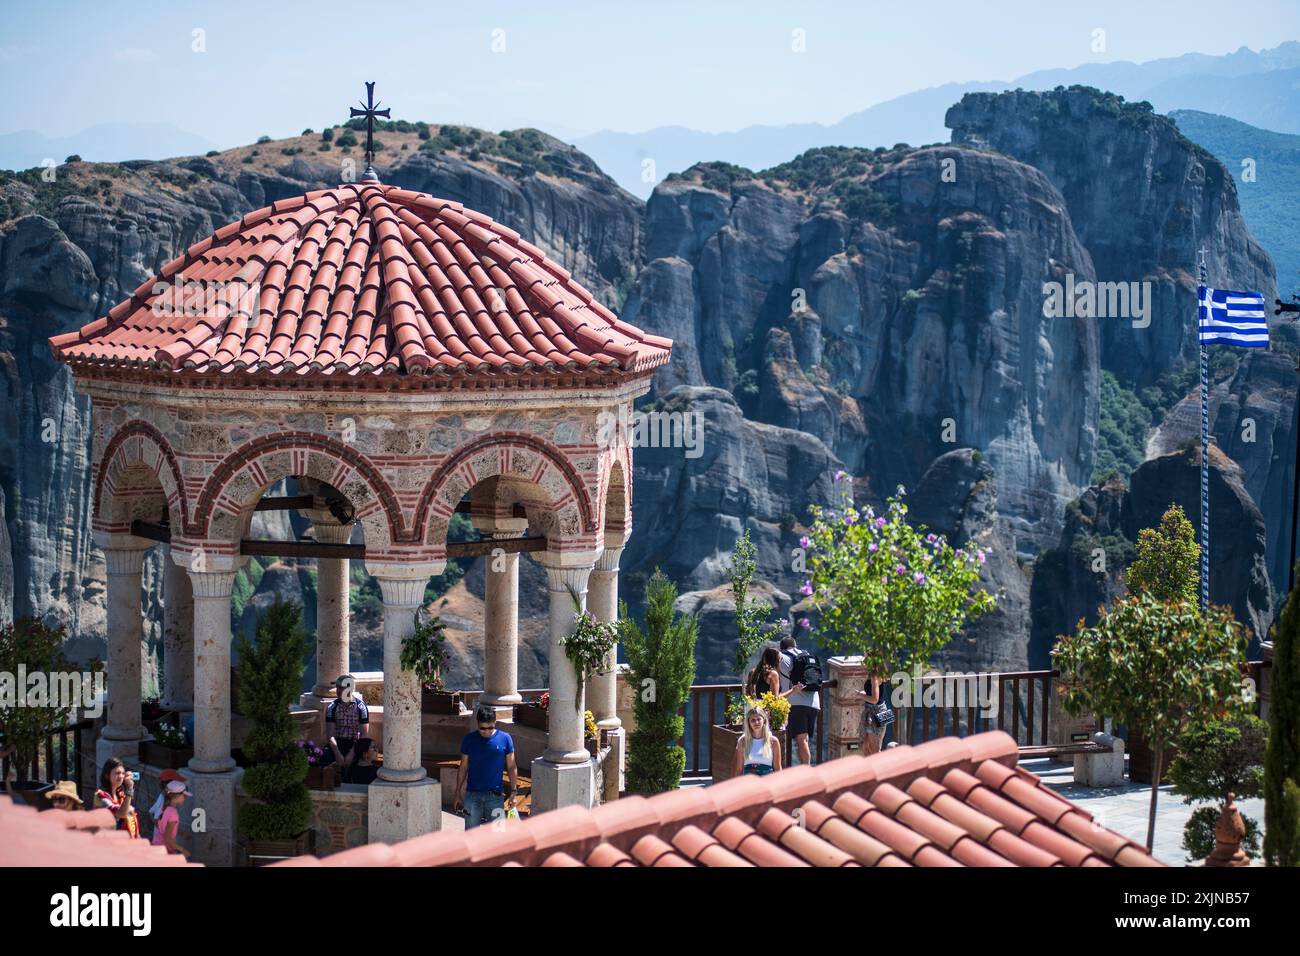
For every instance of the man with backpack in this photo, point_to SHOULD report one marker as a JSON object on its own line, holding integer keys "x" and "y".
{"x": 801, "y": 674}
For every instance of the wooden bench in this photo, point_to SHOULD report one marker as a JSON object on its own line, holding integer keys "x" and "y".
{"x": 1062, "y": 750}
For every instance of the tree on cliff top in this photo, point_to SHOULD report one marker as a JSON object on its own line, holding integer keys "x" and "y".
{"x": 1168, "y": 560}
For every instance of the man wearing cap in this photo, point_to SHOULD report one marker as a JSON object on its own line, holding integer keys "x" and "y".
{"x": 346, "y": 718}
{"x": 64, "y": 796}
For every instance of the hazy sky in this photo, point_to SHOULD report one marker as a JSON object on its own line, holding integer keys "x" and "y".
{"x": 274, "y": 67}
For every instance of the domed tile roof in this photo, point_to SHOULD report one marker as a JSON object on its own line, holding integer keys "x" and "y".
{"x": 364, "y": 280}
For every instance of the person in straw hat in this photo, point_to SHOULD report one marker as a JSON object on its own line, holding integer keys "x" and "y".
{"x": 64, "y": 796}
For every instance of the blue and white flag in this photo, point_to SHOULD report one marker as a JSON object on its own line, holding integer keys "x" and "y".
{"x": 1237, "y": 318}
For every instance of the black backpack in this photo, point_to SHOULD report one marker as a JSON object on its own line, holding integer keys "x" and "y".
{"x": 806, "y": 669}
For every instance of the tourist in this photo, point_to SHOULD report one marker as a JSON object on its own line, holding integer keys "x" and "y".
{"x": 345, "y": 718}
{"x": 766, "y": 676}
{"x": 64, "y": 796}
{"x": 364, "y": 770}
{"x": 167, "y": 776}
{"x": 757, "y": 751}
{"x": 804, "y": 697}
{"x": 165, "y": 834}
{"x": 486, "y": 754}
{"x": 115, "y": 793}
{"x": 876, "y": 715}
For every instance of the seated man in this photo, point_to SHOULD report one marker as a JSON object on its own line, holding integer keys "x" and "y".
{"x": 486, "y": 754}
{"x": 346, "y": 718}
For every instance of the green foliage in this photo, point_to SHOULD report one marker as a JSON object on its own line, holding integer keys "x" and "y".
{"x": 1220, "y": 757}
{"x": 1198, "y": 833}
{"x": 752, "y": 624}
{"x": 347, "y": 138}
{"x": 28, "y": 717}
{"x": 270, "y": 676}
{"x": 661, "y": 661}
{"x": 1121, "y": 430}
{"x": 589, "y": 647}
{"x": 327, "y": 135}
{"x": 886, "y": 590}
{"x": 1282, "y": 759}
{"x": 424, "y": 651}
{"x": 1168, "y": 560}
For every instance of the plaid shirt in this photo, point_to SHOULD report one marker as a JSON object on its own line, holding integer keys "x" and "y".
{"x": 348, "y": 717}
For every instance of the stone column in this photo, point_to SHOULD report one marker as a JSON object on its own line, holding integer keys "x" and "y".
{"x": 602, "y": 600}
{"x": 212, "y": 775}
{"x": 333, "y": 646}
{"x": 562, "y": 776}
{"x": 122, "y": 728}
{"x": 178, "y": 637}
{"x": 844, "y": 708}
{"x": 501, "y": 628}
{"x": 404, "y": 802}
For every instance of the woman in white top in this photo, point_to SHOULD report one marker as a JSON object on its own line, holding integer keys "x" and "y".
{"x": 757, "y": 751}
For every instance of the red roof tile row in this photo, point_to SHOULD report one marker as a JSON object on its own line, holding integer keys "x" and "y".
{"x": 363, "y": 279}
{"x": 72, "y": 838}
{"x": 950, "y": 803}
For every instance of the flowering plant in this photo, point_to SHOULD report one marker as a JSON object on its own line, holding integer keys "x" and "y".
{"x": 886, "y": 590}
{"x": 170, "y": 737}
{"x": 544, "y": 701}
{"x": 315, "y": 754}
{"x": 590, "y": 730}
{"x": 590, "y": 645}
{"x": 425, "y": 651}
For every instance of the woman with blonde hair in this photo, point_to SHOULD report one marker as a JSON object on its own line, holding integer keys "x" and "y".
{"x": 757, "y": 751}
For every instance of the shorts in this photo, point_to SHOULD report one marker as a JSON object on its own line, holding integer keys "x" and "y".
{"x": 802, "y": 720}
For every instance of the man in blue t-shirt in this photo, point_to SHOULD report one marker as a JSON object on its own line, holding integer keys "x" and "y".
{"x": 485, "y": 754}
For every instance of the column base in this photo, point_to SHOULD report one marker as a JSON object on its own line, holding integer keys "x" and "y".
{"x": 400, "y": 811}
{"x": 558, "y": 785}
{"x": 501, "y": 700}
{"x": 214, "y": 794}
{"x": 127, "y": 751}
{"x": 314, "y": 699}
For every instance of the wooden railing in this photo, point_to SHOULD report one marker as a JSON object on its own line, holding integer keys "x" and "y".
{"x": 58, "y": 758}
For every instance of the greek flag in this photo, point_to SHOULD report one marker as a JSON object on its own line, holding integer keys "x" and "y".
{"x": 1237, "y": 318}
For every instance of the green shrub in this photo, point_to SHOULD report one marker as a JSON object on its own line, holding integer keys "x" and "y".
{"x": 270, "y": 677}
{"x": 1282, "y": 759}
{"x": 661, "y": 660}
{"x": 1198, "y": 833}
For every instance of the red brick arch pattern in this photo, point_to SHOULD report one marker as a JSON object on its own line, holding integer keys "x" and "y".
{"x": 503, "y": 443}
{"x": 350, "y": 461}
{"x": 127, "y": 448}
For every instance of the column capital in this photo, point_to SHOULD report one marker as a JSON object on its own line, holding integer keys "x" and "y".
{"x": 565, "y": 580}
{"x": 124, "y": 560}
{"x": 402, "y": 585}
{"x": 212, "y": 584}
{"x": 607, "y": 563}
{"x": 327, "y": 531}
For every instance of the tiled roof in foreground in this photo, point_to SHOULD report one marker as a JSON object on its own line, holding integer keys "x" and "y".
{"x": 949, "y": 802}
{"x": 72, "y": 838}
{"x": 363, "y": 280}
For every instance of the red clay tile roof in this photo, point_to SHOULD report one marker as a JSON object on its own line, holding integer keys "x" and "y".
{"x": 949, "y": 802}
{"x": 363, "y": 280}
{"x": 72, "y": 838}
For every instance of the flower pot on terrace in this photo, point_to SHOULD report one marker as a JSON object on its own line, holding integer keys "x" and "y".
{"x": 264, "y": 852}
{"x": 322, "y": 778}
{"x": 440, "y": 702}
{"x": 593, "y": 746}
{"x": 530, "y": 715}
{"x": 156, "y": 755}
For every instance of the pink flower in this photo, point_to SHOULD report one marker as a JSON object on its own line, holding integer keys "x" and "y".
{"x": 918, "y": 577}
{"x": 804, "y": 542}
{"x": 807, "y": 588}
{"x": 805, "y": 623}
{"x": 980, "y": 555}
{"x": 850, "y": 518}
{"x": 930, "y": 538}
{"x": 899, "y": 569}
{"x": 873, "y": 547}
{"x": 841, "y": 475}
{"x": 880, "y": 523}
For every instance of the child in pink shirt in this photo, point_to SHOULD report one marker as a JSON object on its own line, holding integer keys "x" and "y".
{"x": 169, "y": 822}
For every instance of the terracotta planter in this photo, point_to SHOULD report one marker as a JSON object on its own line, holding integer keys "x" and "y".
{"x": 723, "y": 740}
{"x": 322, "y": 778}
{"x": 530, "y": 715}
{"x": 263, "y": 852}
{"x": 156, "y": 755}
{"x": 440, "y": 702}
{"x": 1229, "y": 831}
{"x": 1141, "y": 759}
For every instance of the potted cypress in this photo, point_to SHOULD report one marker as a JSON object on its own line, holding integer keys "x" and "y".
{"x": 276, "y": 822}
{"x": 425, "y": 651}
{"x": 1219, "y": 761}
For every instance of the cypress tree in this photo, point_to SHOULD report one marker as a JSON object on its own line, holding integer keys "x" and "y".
{"x": 1282, "y": 759}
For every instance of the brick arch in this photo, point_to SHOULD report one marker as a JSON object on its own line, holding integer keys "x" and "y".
{"x": 525, "y": 458}
{"x": 134, "y": 447}
{"x": 231, "y": 491}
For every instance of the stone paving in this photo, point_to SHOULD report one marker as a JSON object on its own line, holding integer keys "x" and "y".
{"x": 1124, "y": 809}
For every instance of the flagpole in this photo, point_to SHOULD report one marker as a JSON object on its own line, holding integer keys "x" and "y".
{"x": 1205, "y": 459}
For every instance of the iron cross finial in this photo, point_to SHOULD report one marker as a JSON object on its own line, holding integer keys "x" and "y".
{"x": 369, "y": 109}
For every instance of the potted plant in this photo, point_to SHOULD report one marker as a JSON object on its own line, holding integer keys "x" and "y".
{"x": 591, "y": 734}
{"x": 168, "y": 749}
{"x": 152, "y": 713}
{"x": 534, "y": 713}
{"x": 590, "y": 644}
{"x": 1218, "y": 762}
{"x": 30, "y": 646}
{"x": 321, "y": 775}
{"x": 425, "y": 651}
{"x": 276, "y": 822}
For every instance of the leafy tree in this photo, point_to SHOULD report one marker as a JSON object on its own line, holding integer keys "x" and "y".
{"x": 1156, "y": 666}
{"x": 270, "y": 676}
{"x": 1282, "y": 759}
{"x": 752, "y": 624}
{"x": 1215, "y": 759}
{"x": 1168, "y": 560}
{"x": 886, "y": 590}
{"x": 661, "y": 661}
